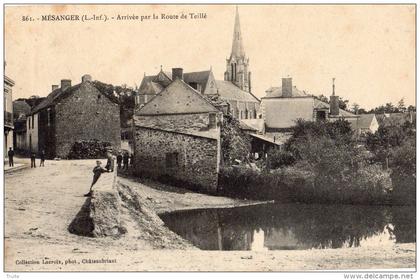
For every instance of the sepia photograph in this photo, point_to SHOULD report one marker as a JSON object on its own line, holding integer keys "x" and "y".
{"x": 225, "y": 137}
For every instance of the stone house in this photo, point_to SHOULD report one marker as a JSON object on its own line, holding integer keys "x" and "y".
{"x": 234, "y": 91}
{"x": 177, "y": 136}
{"x": 70, "y": 114}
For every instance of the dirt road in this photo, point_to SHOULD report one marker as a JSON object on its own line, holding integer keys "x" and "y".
{"x": 40, "y": 204}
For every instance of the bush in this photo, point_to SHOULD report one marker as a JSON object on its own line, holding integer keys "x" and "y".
{"x": 278, "y": 158}
{"x": 89, "y": 149}
{"x": 403, "y": 166}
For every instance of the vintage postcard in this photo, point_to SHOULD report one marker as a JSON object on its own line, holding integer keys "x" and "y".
{"x": 186, "y": 137}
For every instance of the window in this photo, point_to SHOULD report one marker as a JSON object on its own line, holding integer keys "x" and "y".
{"x": 29, "y": 123}
{"x": 194, "y": 85}
{"x": 33, "y": 120}
{"x": 171, "y": 160}
{"x": 212, "y": 120}
{"x": 246, "y": 113}
{"x": 321, "y": 115}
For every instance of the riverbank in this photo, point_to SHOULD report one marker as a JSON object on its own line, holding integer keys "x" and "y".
{"x": 162, "y": 198}
{"x": 40, "y": 204}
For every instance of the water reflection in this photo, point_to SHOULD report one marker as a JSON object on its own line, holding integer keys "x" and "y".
{"x": 294, "y": 226}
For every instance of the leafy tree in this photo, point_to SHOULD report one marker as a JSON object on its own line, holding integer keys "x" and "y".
{"x": 355, "y": 108}
{"x": 411, "y": 108}
{"x": 342, "y": 103}
{"x": 401, "y": 106}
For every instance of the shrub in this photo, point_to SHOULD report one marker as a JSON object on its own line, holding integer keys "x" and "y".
{"x": 403, "y": 166}
{"x": 89, "y": 149}
{"x": 278, "y": 158}
{"x": 298, "y": 183}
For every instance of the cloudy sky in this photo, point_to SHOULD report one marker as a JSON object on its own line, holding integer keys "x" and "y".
{"x": 370, "y": 50}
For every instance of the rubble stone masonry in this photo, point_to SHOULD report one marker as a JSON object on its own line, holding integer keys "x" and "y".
{"x": 86, "y": 115}
{"x": 183, "y": 157}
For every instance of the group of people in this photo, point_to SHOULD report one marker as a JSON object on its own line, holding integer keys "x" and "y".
{"x": 124, "y": 159}
{"x": 11, "y": 155}
{"x": 42, "y": 158}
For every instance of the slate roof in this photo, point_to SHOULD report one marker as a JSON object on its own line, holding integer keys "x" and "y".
{"x": 200, "y": 77}
{"x": 253, "y": 124}
{"x": 321, "y": 104}
{"x": 226, "y": 89}
{"x": 362, "y": 121}
{"x": 277, "y": 92}
{"x": 55, "y": 96}
{"x": 163, "y": 103}
{"x": 230, "y": 91}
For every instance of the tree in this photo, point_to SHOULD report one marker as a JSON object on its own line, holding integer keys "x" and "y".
{"x": 323, "y": 98}
{"x": 411, "y": 108}
{"x": 401, "y": 106}
{"x": 342, "y": 103}
{"x": 355, "y": 108}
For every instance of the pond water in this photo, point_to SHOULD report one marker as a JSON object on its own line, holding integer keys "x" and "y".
{"x": 294, "y": 226}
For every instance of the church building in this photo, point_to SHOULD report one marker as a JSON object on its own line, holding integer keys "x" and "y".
{"x": 233, "y": 94}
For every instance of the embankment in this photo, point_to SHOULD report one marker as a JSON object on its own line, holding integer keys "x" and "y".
{"x": 114, "y": 210}
{"x": 100, "y": 214}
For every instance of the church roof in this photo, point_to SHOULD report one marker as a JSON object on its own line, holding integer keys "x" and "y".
{"x": 229, "y": 91}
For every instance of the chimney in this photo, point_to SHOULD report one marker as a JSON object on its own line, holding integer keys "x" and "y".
{"x": 86, "y": 78}
{"x": 65, "y": 84}
{"x": 334, "y": 101}
{"x": 54, "y": 87}
{"x": 286, "y": 87}
{"x": 177, "y": 73}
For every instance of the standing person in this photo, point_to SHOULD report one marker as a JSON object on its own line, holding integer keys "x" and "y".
{"x": 110, "y": 162}
{"x": 42, "y": 155}
{"x": 131, "y": 159}
{"x": 97, "y": 171}
{"x": 125, "y": 160}
{"x": 33, "y": 157}
{"x": 119, "y": 160}
{"x": 11, "y": 154}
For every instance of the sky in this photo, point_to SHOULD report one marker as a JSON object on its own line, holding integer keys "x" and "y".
{"x": 369, "y": 49}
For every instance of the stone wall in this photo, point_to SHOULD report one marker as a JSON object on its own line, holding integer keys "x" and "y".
{"x": 86, "y": 115}
{"x": 181, "y": 157}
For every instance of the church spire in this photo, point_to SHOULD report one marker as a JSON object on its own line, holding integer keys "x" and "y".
{"x": 237, "y": 44}
{"x": 237, "y": 64}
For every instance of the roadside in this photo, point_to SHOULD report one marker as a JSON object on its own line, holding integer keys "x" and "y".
{"x": 18, "y": 164}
